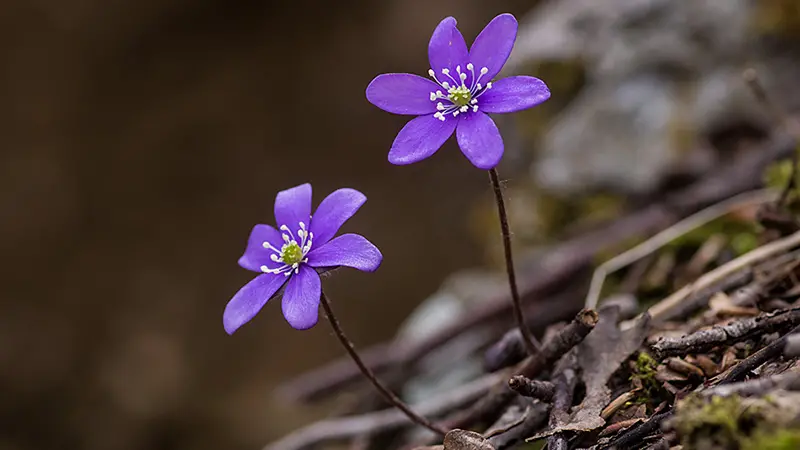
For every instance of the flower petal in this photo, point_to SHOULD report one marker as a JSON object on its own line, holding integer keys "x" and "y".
{"x": 513, "y": 94}
{"x": 301, "y": 299}
{"x": 420, "y": 138}
{"x": 493, "y": 45}
{"x": 255, "y": 255}
{"x": 402, "y": 93}
{"x": 334, "y": 211}
{"x": 447, "y": 49}
{"x": 293, "y": 206}
{"x": 480, "y": 140}
{"x": 349, "y": 250}
{"x": 250, "y": 299}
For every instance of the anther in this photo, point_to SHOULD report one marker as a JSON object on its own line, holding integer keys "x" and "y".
{"x": 470, "y": 66}
{"x": 484, "y": 71}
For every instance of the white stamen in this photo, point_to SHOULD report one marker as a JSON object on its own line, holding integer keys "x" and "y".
{"x": 431, "y": 73}
{"x": 470, "y": 66}
{"x": 433, "y": 96}
{"x": 484, "y": 71}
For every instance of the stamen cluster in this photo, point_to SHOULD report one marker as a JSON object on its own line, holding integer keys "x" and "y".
{"x": 461, "y": 97}
{"x": 291, "y": 253}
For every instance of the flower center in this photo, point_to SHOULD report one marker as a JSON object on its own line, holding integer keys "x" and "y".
{"x": 291, "y": 253}
{"x": 460, "y": 98}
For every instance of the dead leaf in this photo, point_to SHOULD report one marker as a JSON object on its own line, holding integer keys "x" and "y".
{"x": 466, "y": 440}
{"x": 599, "y": 356}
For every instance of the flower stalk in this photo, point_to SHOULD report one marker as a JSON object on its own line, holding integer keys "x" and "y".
{"x": 531, "y": 343}
{"x": 370, "y": 375}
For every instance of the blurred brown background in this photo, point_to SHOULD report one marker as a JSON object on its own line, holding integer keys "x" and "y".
{"x": 140, "y": 141}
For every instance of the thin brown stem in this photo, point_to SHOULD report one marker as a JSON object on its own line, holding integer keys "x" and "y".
{"x": 385, "y": 392}
{"x": 531, "y": 344}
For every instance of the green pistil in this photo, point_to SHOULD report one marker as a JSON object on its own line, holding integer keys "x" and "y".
{"x": 292, "y": 253}
{"x": 460, "y": 96}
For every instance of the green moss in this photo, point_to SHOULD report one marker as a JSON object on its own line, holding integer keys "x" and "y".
{"x": 717, "y": 423}
{"x": 738, "y": 423}
{"x": 643, "y": 373}
{"x": 777, "y": 175}
{"x": 786, "y": 439}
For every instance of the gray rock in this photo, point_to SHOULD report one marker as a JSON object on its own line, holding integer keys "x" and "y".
{"x": 661, "y": 77}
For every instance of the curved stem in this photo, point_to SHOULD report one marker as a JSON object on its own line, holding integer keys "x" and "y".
{"x": 531, "y": 344}
{"x": 385, "y": 392}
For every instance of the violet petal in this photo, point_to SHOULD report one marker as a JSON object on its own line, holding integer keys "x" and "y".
{"x": 334, "y": 211}
{"x": 402, "y": 93}
{"x": 513, "y": 94}
{"x": 493, "y": 45}
{"x": 300, "y": 302}
{"x": 349, "y": 250}
{"x": 250, "y": 299}
{"x": 255, "y": 255}
{"x": 447, "y": 49}
{"x": 293, "y": 206}
{"x": 420, "y": 138}
{"x": 480, "y": 140}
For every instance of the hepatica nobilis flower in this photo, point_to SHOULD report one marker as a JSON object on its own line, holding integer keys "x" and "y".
{"x": 292, "y": 254}
{"x": 458, "y": 95}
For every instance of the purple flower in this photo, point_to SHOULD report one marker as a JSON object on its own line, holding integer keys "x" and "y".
{"x": 291, "y": 256}
{"x": 459, "y": 95}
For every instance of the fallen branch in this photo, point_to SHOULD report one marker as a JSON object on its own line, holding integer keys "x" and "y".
{"x": 535, "y": 417}
{"x": 524, "y": 386}
{"x": 737, "y": 331}
{"x": 789, "y": 381}
{"x": 752, "y": 362}
{"x": 490, "y": 406}
{"x": 565, "y": 379}
{"x": 638, "y": 433}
